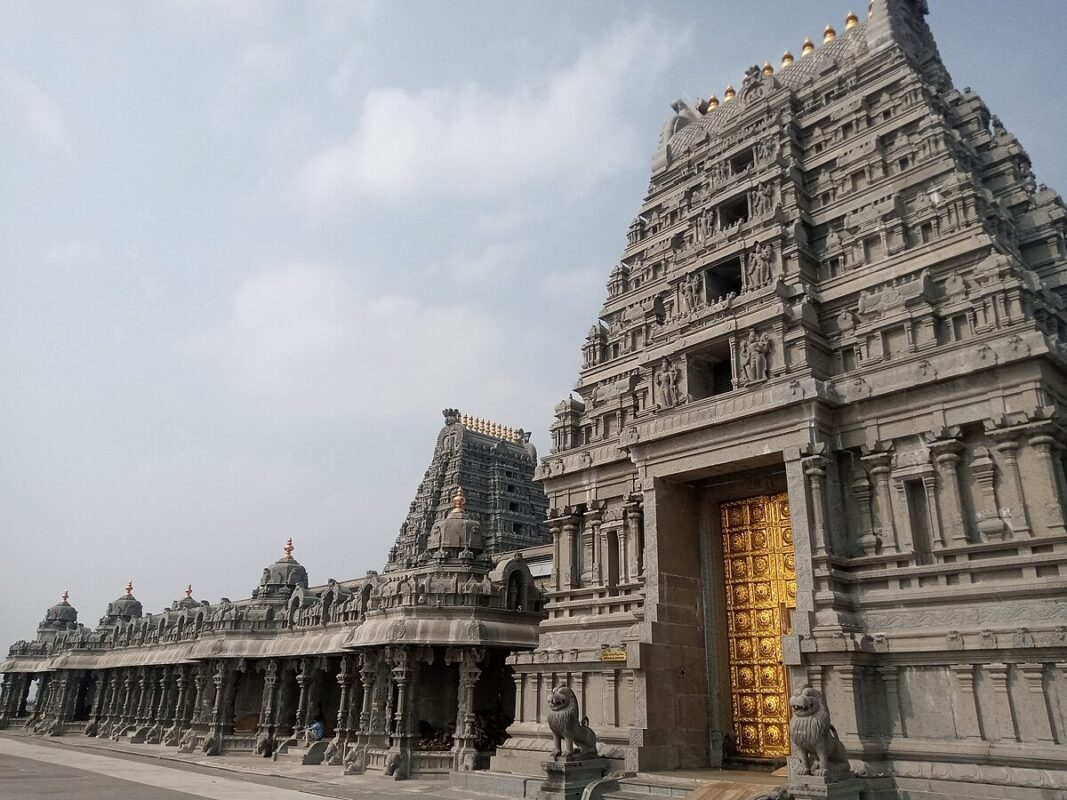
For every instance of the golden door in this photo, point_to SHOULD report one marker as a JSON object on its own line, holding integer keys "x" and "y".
{"x": 759, "y": 568}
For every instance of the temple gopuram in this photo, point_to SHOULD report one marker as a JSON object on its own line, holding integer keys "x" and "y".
{"x": 812, "y": 470}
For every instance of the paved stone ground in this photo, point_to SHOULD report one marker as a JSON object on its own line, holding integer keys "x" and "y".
{"x": 88, "y": 769}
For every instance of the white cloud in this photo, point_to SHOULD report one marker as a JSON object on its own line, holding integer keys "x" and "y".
{"x": 38, "y": 113}
{"x": 305, "y": 339}
{"x": 571, "y": 129}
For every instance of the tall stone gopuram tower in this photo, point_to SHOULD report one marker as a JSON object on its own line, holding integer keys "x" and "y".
{"x": 818, "y": 439}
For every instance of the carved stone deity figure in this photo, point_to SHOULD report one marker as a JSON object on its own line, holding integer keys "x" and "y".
{"x": 686, "y": 290}
{"x": 667, "y": 380}
{"x": 761, "y": 200}
{"x": 767, "y": 149}
{"x": 753, "y": 357}
{"x": 758, "y": 266}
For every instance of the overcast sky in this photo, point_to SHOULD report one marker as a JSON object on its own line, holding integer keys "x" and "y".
{"x": 249, "y": 251}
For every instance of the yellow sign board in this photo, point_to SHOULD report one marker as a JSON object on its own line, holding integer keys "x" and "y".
{"x": 613, "y": 654}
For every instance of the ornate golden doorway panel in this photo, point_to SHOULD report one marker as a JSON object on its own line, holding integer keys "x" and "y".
{"x": 759, "y": 568}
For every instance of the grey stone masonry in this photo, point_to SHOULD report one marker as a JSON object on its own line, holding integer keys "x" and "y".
{"x": 843, "y": 293}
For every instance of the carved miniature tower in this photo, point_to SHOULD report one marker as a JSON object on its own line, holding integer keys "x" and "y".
{"x": 818, "y": 435}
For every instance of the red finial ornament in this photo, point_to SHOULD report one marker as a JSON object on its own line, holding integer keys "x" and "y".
{"x": 189, "y": 590}
{"x": 129, "y": 588}
{"x": 66, "y": 594}
{"x": 289, "y": 548}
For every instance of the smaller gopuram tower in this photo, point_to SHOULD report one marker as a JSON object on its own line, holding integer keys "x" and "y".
{"x": 492, "y": 466}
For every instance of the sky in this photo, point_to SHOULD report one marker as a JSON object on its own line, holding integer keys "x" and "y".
{"x": 249, "y": 251}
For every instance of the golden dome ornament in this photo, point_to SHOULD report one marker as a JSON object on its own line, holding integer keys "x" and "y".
{"x": 767, "y": 68}
{"x": 787, "y": 59}
{"x": 851, "y": 21}
{"x": 713, "y": 103}
{"x": 829, "y": 34}
{"x": 729, "y": 94}
{"x": 808, "y": 48}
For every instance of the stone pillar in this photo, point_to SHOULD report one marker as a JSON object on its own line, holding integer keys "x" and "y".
{"x": 464, "y": 750}
{"x": 400, "y": 758}
{"x": 125, "y": 711}
{"x": 946, "y": 455}
{"x": 181, "y": 704}
{"x": 1007, "y": 446}
{"x": 815, "y": 472}
{"x": 219, "y": 679}
{"x": 167, "y": 686}
{"x": 519, "y": 679}
{"x": 1048, "y": 482}
{"x": 967, "y": 705}
{"x": 113, "y": 693}
{"x": 314, "y": 692}
{"x": 879, "y": 466}
{"x": 999, "y": 722}
{"x": 634, "y": 557}
{"x": 555, "y": 527}
{"x": 983, "y": 470}
{"x": 611, "y": 699}
{"x": 200, "y": 681}
{"x": 1035, "y": 724}
{"x": 344, "y": 682}
{"x": 278, "y": 724}
{"x": 367, "y": 676}
{"x": 6, "y": 693}
{"x": 303, "y": 680}
{"x": 891, "y": 681}
{"x": 570, "y": 564}
{"x": 937, "y": 536}
{"x": 593, "y": 519}
{"x": 848, "y": 712}
{"x": 266, "y": 702}
{"x": 861, "y": 490}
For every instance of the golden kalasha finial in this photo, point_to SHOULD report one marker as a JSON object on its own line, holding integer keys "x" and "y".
{"x": 767, "y": 68}
{"x": 729, "y": 94}
{"x": 713, "y": 103}
{"x": 288, "y": 548}
{"x": 808, "y": 48}
{"x": 189, "y": 590}
{"x": 129, "y": 589}
{"x": 829, "y": 34}
{"x": 851, "y": 21}
{"x": 459, "y": 501}
{"x": 66, "y": 594}
{"x": 787, "y": 59}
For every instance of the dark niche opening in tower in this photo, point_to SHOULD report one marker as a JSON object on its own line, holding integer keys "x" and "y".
{"x": 742, "y": 162}
{"x": 710, "y": 371}
{"x": 722, "y": 279}
{"x": 733, "y": 212}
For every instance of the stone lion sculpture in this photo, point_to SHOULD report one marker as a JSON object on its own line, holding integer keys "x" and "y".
{"x": 264, "y": 744}
{"x": 815, "y": 741}
{"x": 566, "y": 727}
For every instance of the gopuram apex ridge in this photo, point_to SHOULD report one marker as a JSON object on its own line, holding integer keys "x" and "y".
{"x": 804, "y": 508}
